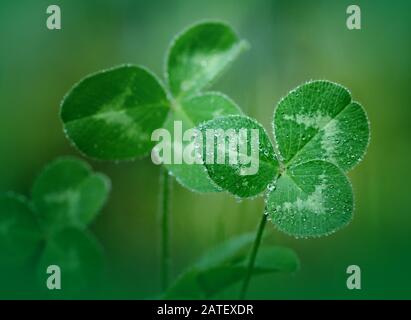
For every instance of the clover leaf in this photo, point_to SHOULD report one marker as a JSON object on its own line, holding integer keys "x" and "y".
{"x": 68, "y": 193}
{"x": 79, "y": 256}
{"x": 317, "y": 127}
{"x": 66, "y": 197}
{"x": 319, "y": 121}
{"x": 232, "y": 176}
{"x": 311, "y": 199}
{"x": 110, "y": 115}
{"x": 320, "y": 133}
{"x": 198, "y": 55}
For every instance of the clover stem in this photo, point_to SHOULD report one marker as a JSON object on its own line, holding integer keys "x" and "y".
{"x": 253, "y": 255}
{"x": 165, "y": 231}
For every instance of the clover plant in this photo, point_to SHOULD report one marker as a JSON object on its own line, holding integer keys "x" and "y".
{"x": 320, "y": 134}
{"x": 110, "y": 115}
{"x": 51, "y": 227}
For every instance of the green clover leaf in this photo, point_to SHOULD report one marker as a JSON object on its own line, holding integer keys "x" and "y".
{"x": 319, "y": 121}
{"x": 198, "y": 55}
{"x": 310, "y": 199}
{"x": 79, "y": 256}
{"x": 320, "y": 133}
{"x": 232, "y": 177}
{"x": 66, "y": 197}
{"x": 68, "y": 193}
{"x": 110, "y": 115}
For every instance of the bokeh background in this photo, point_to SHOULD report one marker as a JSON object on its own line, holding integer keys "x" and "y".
{"x": 290, "y": 43}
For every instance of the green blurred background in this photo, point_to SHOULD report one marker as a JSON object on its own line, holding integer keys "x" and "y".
{"x": 291, "y": 42}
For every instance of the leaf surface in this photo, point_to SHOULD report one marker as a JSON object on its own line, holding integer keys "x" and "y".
{"x": 111, "y": 114}
{"x": 198, "y": 55}
{"x": 68, "y": 193}
{"x": 206, "y": 280}
{"x": 79, "y": 257}
{"x": 191, "y": 113}
{"x": 245, "y": 168}
{"x": 310, "y": 200}
{"x": 20, "y": 234}
{"x": 227, "y": 252}
{"x": 319, "y": 121}
{"x": 270, "y": 259}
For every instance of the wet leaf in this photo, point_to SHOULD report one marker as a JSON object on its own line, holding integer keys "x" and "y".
{"x": 110, "y": 115}
{"x": 198, "y": 55}
{"x": 310, "y": 200}
{"x": 246, "y": 167}
{"x": 320, "y": 121}
{"x": 190, "y": 114}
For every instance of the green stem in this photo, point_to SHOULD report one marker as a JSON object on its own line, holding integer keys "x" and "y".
{"x": 253, "y": 255}
{"x": 164, "y": 221}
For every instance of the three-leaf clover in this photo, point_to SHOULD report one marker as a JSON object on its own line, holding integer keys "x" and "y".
{"x": 111, "y": 115}
{"x": 51, "y": 227}
{"x": 320, "y": 134}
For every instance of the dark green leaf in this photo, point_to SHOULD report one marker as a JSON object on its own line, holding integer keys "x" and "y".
{"x": 68, "y": 193}
{"x": 191, "y": 112}
{"x": 20, "y": 234}
{"x": 79, "y": 257}
{"x": 242, "y": 178}
{"x": 268, "y": 260}
{"x": 202, "y": 281}
{"x": 227, "y": 252}
{"x": 110, "y": 115}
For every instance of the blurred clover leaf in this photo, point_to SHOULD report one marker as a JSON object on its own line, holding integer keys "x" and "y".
{"x": 198, "y": 55}
{"x": 79, "y": 256}
{"x": 320, "y": 134}
{"x": 20, "y": 233}
{"x": 110, "y": 115}
{"x": 66, "y": 197}
{"x": 225, "y": 265}
{"x": 68, "y": 193}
